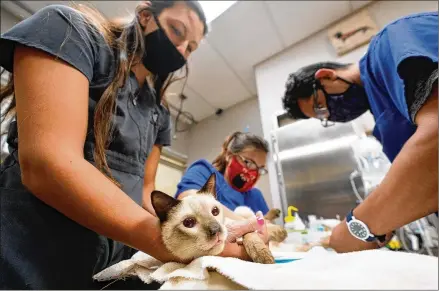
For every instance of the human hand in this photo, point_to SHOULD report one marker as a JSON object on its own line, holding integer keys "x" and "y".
{"x": 238, "y": 228}
{"x": 389, "y": 236}
{"x": 342, "y": 241}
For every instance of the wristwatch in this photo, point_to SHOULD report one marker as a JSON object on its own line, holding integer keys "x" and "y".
{"x": 359, "y": 229}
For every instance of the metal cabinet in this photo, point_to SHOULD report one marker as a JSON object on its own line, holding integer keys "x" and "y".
{"x": 314, "y": 165}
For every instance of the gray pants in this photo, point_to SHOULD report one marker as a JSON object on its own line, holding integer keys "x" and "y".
{"x": 40, "y": 248}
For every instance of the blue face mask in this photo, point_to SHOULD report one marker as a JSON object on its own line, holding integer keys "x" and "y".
{"x": 346, "y": 106}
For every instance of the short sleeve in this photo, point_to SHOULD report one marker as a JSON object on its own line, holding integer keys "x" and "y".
{"x": 164, "y": 135}
{"x": 259, "y": 200}
{"x": 406, "y": 49}
{"x": 58, "y": 30}
{"x": 194, "y": 178}
{"x": 420, "y": 77}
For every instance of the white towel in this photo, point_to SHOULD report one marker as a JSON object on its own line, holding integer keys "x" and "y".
{"x": 374, "y": 269}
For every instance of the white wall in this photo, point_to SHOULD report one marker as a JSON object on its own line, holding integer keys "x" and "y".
{"x": 7, "y": 20}
{"x": 179, "y": 142}
{"x": 272, "y": 73}
{"x": 205, "y": 140}
{"x": 167, "y": 179}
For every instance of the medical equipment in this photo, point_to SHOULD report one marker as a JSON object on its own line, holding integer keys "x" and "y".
{"x": 293, "y": 223}
{"x": 285, "y": 260}
{"x": 181, "y": 113}
{"x": 417, "y": 237}
{"x": 372, "y": 165}
{"x": 313, "y": 168}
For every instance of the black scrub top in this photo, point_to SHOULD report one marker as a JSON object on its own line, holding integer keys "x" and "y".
{"x": 38, "y": 242}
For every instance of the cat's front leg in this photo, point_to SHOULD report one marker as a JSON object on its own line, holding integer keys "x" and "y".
{"x": 258, "y": 251}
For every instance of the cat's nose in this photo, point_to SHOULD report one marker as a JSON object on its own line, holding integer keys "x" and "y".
{"x": 213, "y": 229}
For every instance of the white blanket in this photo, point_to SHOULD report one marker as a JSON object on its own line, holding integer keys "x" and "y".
{"x": 373, "y": 269}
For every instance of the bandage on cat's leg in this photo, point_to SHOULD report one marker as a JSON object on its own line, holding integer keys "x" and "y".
{"x": 260, "y": 222}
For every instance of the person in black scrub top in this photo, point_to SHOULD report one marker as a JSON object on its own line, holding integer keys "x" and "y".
{"x": 90, "y": 123}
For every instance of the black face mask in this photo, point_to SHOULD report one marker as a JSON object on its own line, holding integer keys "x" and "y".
{"x": 161, "y": 56}
{"x": 346, "y": 106}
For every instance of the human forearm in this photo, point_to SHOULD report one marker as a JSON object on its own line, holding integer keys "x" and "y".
{"x": 78, "y": 190}
{"x": 409, "y": 191}
{"x": 151, "y": 166}
{"x": 146, "y": 199}
{"x": 235, "y": 251}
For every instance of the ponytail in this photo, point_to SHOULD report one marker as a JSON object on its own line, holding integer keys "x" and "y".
{"x": 220, "y": 161}
{"x": 236, "y": 143}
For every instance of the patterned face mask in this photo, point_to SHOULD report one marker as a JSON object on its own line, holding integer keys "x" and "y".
{"x": 346, "y": 106}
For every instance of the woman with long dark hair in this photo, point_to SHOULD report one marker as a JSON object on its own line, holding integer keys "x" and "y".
{"x": 90, "y": 123}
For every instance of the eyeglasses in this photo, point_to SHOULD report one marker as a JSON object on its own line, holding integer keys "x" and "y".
{"x": 321, "y": 112}
{"x": 252, "y": 165}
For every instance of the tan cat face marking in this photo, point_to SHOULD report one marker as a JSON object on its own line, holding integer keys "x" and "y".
{"x": 194, "y": 226}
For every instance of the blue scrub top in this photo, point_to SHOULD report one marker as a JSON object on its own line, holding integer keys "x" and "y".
{"x": 413, "y": 36}
{"x": 198, "y": 173}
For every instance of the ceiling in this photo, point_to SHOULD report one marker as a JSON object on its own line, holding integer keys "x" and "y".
{"x": 249, "y": 32}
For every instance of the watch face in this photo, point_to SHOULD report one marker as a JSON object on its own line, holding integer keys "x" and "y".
{"x": 358, "y": 230}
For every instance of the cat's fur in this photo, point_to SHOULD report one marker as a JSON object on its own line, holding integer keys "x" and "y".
{"x": 208, "y": 235}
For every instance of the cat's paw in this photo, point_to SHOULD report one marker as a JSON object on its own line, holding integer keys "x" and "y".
{"x": 276, "y": 233}
{"x": 264, "y": 256}
{"x": 272, "y": 214}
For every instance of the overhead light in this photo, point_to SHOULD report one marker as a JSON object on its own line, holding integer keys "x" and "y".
{"x": 213, "y": 9}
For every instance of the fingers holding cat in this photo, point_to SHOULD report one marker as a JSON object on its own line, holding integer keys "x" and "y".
{"x": 256, "y": 241}
{"x": 238, "y": 228}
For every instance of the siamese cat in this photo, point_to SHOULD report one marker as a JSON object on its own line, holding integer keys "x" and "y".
{"x": 196, "y": 225}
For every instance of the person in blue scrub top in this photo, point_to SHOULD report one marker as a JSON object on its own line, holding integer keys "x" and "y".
{"x": 397, "y": 81}
{"x": 237, "y": 169}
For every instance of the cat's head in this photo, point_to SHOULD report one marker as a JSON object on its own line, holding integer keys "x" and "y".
{"x": 194, "y": 226}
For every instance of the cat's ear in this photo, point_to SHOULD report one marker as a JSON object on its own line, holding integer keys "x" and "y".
{"x": 210, "y": 186}
{"x": 162, "y": 204}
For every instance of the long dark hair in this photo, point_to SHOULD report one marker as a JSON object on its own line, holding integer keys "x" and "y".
{"x": 127, "y": 41}
{"x": 236, "y": 143}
